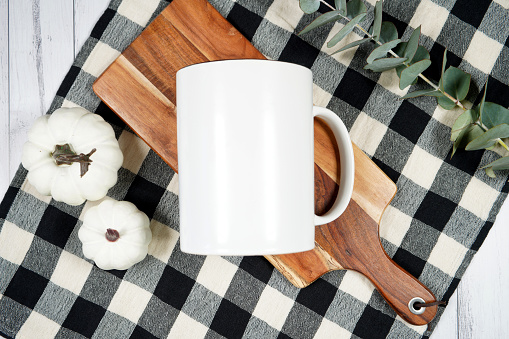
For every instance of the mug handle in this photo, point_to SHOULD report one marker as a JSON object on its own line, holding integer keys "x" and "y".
{"x": 346, "y": 164}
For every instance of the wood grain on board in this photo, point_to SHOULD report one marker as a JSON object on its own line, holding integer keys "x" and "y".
{"x": 354, "y": 242}
{"x": 140, "y": 87}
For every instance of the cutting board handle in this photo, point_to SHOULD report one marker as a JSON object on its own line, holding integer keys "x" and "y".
{"x": 399, "y": 288}
{"x": 360, "y": 250}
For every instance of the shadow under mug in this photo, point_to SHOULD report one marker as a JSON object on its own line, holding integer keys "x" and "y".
{"x": 246, "y": 161}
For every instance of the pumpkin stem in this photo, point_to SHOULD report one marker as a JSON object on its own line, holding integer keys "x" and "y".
{"x": 112, "y": 235}
{"x": 64, "y": 155}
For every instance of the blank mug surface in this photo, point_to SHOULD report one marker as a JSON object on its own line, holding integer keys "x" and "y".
{"x": 245, "y": 145}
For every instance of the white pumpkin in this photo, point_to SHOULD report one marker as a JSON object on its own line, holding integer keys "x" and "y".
{"x": 115, "y": 235}
{"x": 72, "y": 172}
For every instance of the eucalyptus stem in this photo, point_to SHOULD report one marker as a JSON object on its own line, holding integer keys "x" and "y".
{"x": 429, "y": 82}
{"x": 503, "y": 144}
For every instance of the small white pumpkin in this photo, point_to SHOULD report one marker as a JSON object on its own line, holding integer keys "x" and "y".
{"x": 115, "y": 235}
{"x": 72, "y": 155}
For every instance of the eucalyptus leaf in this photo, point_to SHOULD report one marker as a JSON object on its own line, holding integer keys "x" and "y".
{"x": 456, "y": 83}
{"x": 444, "y": 62}
{"x": 489, "y": 138}
{"x": 385, "y": 64}
{"x": 499, "y": 164}
{"x": 410, "y": 74}
{"x": 345, "y": 30}
{"x": 352, "y": 44}
{"x": 420, "y": 54}
{"x": 377, "y": 22}
{"x": 388, "y": 32}
{"x": 422, "y": 92}
{"x": 309, "y": 6}
{"x": 459, "y": 140}
{"x": 355, "y": 8}
{"x": 381, "y": 51}
{"x": 321, "y": 20}
{"x": 445, "y": 102}
{"x": 475, "y": 113}
{"x": 494, "y": 114}
{"x": 489, "y": 172}
{"x": 412, "y": 44}
{"x": 341, "y": 6}
{"x": 466, "y": 136}
{"x": 481, "y": 105}
{"x": 465, "y": 120}
{"x": 399, "y": 49}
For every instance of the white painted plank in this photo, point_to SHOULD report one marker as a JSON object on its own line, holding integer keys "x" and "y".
{"x": 57, "y": 30}
{"x": 86, "y": 14}
{"x": 484, "y": 289}
{"x": 4, "y": 98}
{"x": 41, "y": 50}
{"x": 447, "y": 327}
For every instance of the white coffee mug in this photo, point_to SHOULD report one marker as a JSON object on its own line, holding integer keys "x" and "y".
{"x": 246, "y": 160}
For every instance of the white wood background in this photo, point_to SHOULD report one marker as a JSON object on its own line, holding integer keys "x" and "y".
{"x": 38, "y": 42}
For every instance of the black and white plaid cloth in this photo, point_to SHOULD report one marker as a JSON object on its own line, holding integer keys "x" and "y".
{"x": 442, "y": 212}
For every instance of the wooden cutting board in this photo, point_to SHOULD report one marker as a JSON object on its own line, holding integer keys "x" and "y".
{"x": 140, "y": 87}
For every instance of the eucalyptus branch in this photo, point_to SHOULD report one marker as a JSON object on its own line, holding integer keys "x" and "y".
{"x": 503, "y": 144}
{"x": 479, "y": 127}
{"x": 422, "y": 76}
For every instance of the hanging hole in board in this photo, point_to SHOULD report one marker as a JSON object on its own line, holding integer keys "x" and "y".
{"x": 413, "y": 309}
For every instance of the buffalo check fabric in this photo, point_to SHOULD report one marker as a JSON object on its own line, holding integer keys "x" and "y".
{"x": 439, "y": 218}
